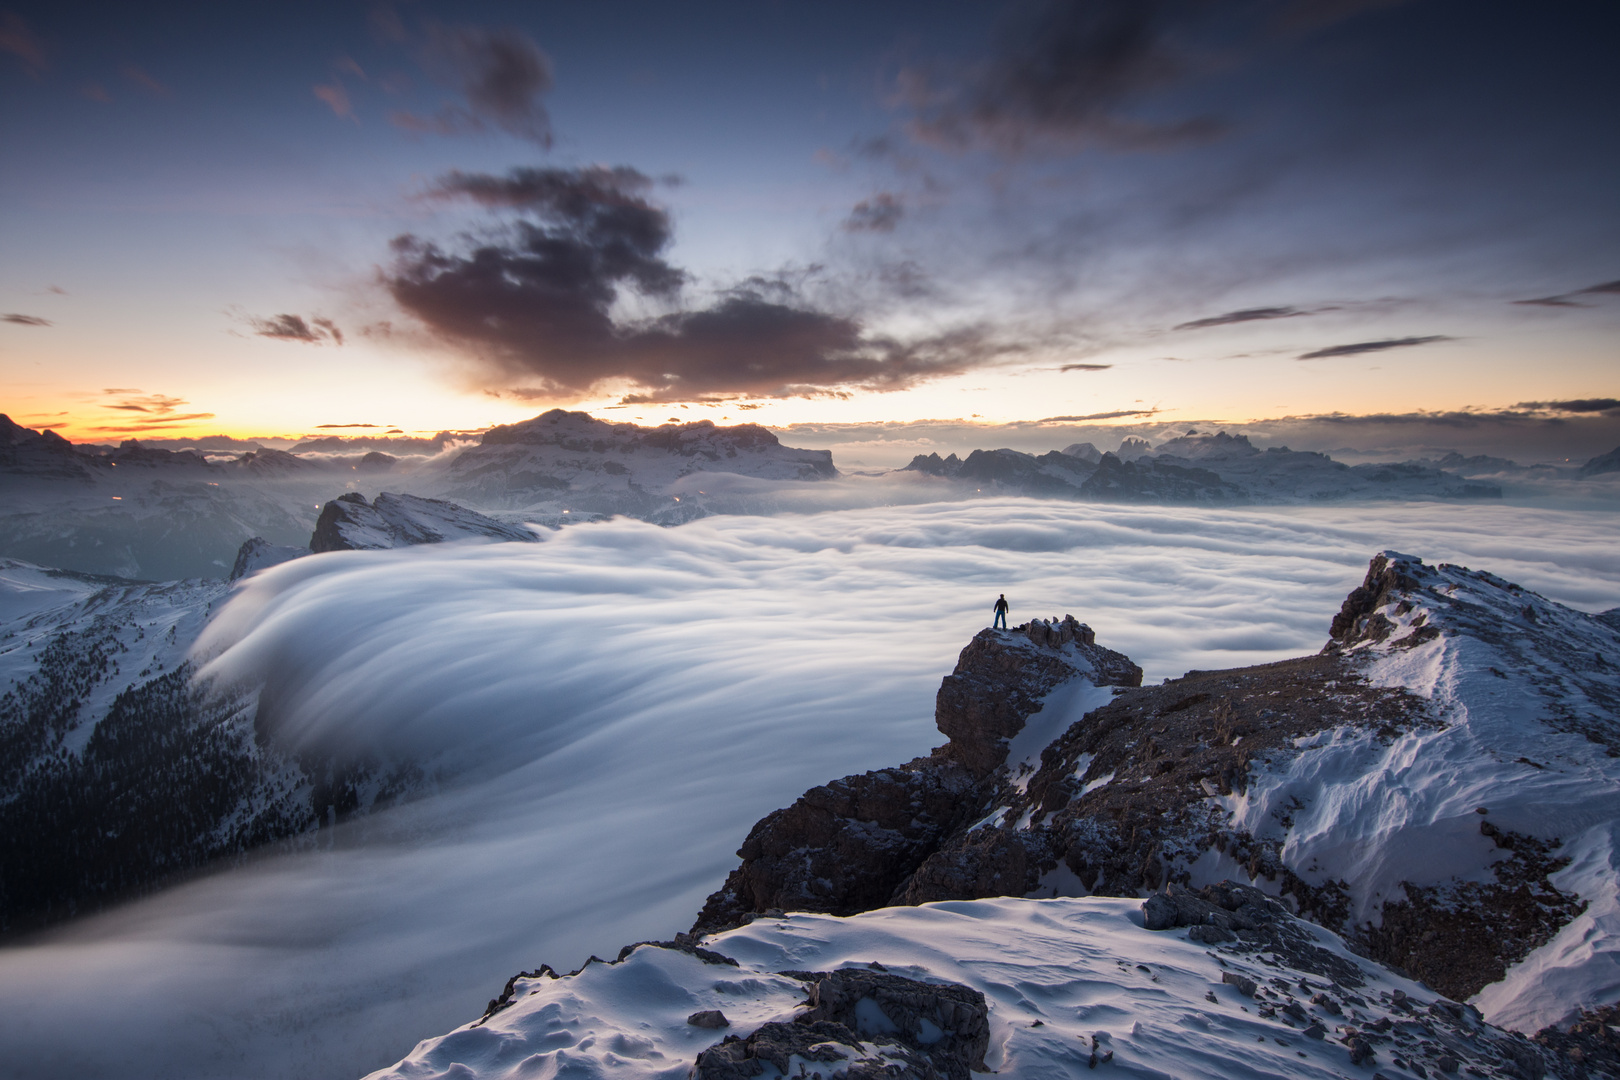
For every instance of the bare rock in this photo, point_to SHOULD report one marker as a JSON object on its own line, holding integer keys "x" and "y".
{"x": 947, "y": 1022}
{"x": 777, "y": 1044}
{"x": 708, "y": 1018}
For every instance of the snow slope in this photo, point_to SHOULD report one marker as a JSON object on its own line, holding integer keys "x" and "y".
{"x": 1071, "y": 985}
{"x": 1526, "y": 693}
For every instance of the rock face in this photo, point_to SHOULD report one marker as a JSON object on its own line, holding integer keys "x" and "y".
{"x": 349, "y": 523}
{"x": 854, "y": 844}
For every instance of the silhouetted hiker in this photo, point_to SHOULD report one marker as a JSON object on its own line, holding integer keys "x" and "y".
{"x": 1001, "y": 612}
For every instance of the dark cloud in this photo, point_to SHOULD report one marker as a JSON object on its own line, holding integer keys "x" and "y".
{"x": 1085, "y": 367}
{"x": 1608, "y": 288}
{"x": 25, "y": 320}
{"x": 313, "y": 331}
{"x": 1064, "y": 74}
{"x": 1579, "y": 405}
{"x": 502, "y": 75}
{"x": 325, "y": 426}
{"x": 1246, "y": 315}
{"x": 881, "y": 213}
{"x": 535, "y": 302}
{"x": 19, "y": 41}
{"x": 1371, "y": 346}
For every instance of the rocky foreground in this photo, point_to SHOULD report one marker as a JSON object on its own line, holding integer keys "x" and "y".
{"x": 1372, "y": 861}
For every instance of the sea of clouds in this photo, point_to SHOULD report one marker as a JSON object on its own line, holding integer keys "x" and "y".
{"x": 610, "y": 711}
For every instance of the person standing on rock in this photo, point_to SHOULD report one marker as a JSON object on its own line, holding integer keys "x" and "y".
{"x": 1001, "y": 612}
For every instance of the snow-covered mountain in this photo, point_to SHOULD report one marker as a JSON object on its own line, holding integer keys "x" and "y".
{"x": 570, "y": 463}
{"x": 1198, "y": 467}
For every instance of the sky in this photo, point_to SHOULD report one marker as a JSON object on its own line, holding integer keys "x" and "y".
{"x": 370, "y": 218}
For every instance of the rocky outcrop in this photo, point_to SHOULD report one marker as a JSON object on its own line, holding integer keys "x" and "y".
{"x": 865, "y": 1024}
{"x": 853, "y": 845}
{"x": 349, "y": 523}
{"x": 1001, "y": 678}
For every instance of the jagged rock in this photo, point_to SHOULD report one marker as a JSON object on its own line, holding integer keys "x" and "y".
{"x": 708, "y": 1018}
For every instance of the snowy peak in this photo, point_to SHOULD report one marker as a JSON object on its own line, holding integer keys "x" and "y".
{"x": 1564, "y": 663}
{"x": 1203, "y": 446}
{"x": 349, "y": 523}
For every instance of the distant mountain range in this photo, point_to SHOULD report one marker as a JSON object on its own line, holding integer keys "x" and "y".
{"x": 1197, "y": 467}
{"x": 146, "y": 513}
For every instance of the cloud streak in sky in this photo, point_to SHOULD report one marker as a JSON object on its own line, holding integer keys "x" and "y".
{"x": 311, "y": 331}
{"x": 1570, "y": 299}
{"x": 534, "y": 301}
{"x": 1360, "y": 347}
{"x": 25, "y": 320}
{"x": 1246, "y": 315}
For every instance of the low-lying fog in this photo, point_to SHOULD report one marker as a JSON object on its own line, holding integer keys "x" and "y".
{"x": 619, "y": 704}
